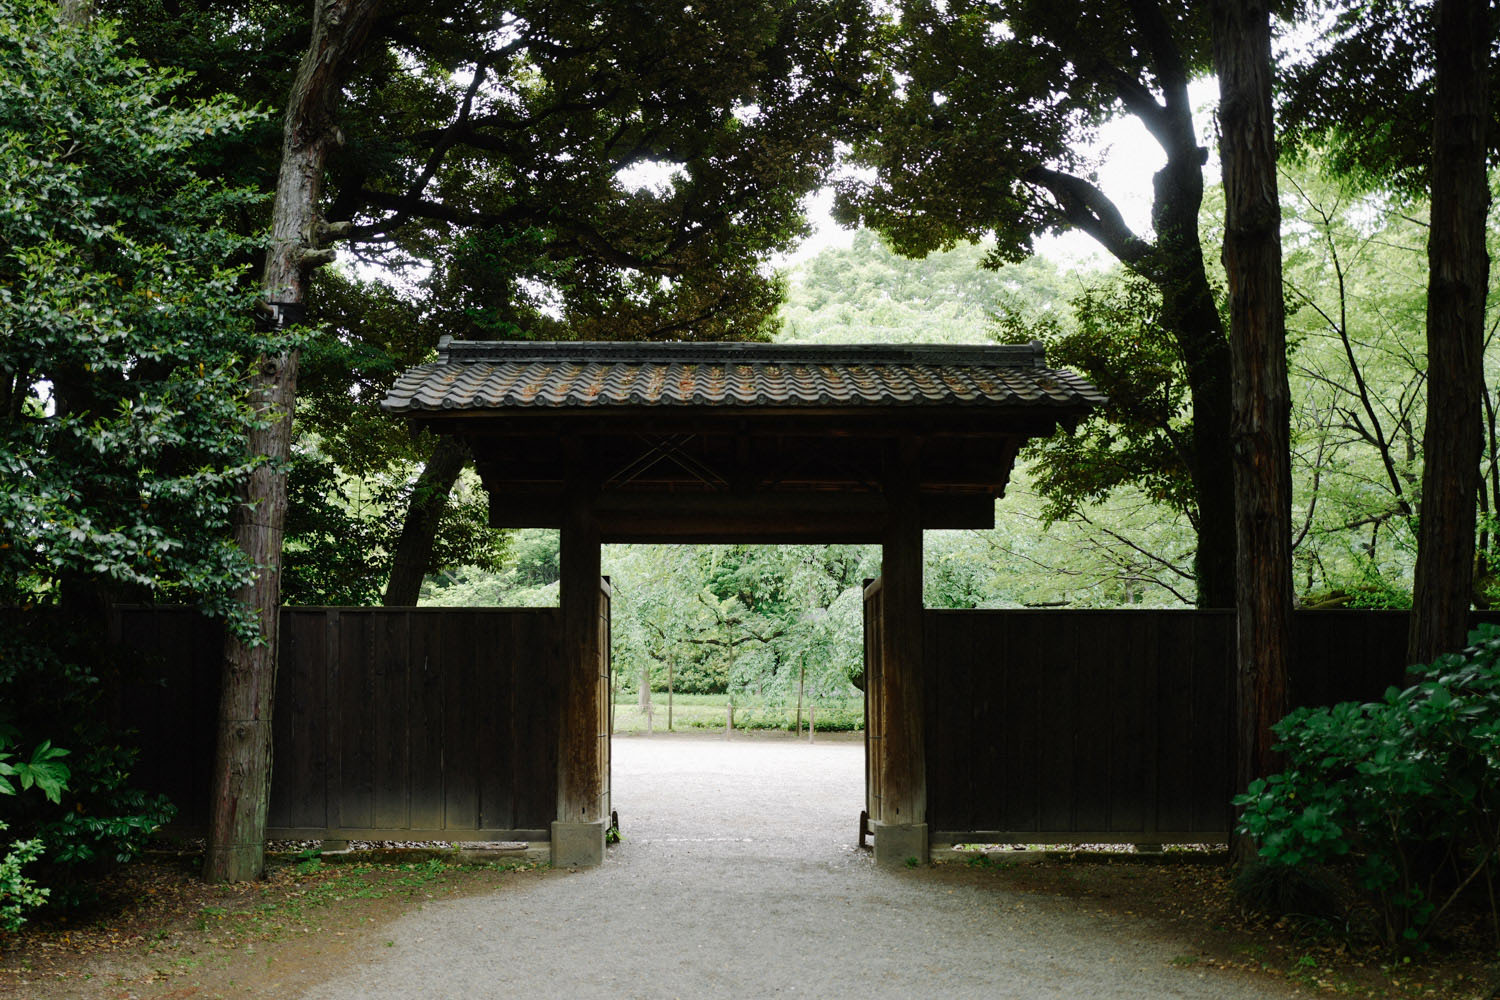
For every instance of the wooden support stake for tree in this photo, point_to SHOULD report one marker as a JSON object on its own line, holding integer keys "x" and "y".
{"x": 801, "y": 680}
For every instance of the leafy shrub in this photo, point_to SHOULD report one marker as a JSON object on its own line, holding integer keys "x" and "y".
{"x": 1407, "y": 789}
{"x": 45, "y": 772}
{"x": 844, "y": 716}
{"x": 17, "y": 892}
{"x": 89, "y": 816}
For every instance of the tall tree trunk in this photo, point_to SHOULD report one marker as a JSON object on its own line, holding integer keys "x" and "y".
{"x": 1261, "y": 398}
{"x": 1189, "y": 310}
{"x": 242, "y": 760}
{"x": 1458, "y": 275}
{"x": 419, "y": 529}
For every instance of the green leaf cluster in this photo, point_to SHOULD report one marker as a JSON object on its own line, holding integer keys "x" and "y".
{"x": 1142, "y": 437}
{"x": 18, "y": 893}
{"x": 1406, "y": 789}
{"x": 45, "y": 770}
{"x": 124, "y": 323}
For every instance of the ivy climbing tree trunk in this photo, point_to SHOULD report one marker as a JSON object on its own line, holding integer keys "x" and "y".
{"x": 1261, "y": 398}
{"x": 1457, "y": 279}
{"x": 242, "y": 758}
{"x": 419, "y": 530}
{"x": 77, "y": 12}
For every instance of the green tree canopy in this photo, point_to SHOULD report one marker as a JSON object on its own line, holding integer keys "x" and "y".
{"x": 124, "y": 325}
{"x": 979, "y": 127}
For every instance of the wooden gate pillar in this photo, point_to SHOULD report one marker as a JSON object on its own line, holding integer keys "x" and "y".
{"x": 578, "y": 832}
{"x": 901, "y": 829}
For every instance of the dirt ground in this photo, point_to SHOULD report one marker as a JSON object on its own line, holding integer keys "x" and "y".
{"x": 733, "y": 851}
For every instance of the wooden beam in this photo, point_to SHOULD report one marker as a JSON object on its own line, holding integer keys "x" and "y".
{"x": 848, "y": 422}
{"x": 767, "y": 517}
{"x": 901, "y": 829}
{"x": 578, "y": 833}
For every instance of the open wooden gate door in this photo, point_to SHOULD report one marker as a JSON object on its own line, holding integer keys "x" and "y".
{"x": 606, "y": 704}
{"x": 874, "y": 714}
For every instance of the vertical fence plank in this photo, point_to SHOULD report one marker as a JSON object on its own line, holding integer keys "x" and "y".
{"x": 1212, "y": 782}
{"x": 495, "y": 778}
{"x": 460, "y": 791}
{"x": 391, "y": 807}
{"x": 939, "y": 730}
{"x": 425, "y": 717}
{"x": 299, "y": 788}
{"x": 992, "y": 791}
{"x": 1137, "y": 728}
{"x": 1171, "y": 771}
{"x": 971, "y": 698}
{"x": 1022, "y": 666}
{"x": 356, "y": 717}
{"x": 534, "y": 672}
{"x": 1096, "y": 645}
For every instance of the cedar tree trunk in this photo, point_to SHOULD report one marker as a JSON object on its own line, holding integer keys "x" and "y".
{"x": 242, "y": 759}
{"x": 1458, "y": 274}
{"x": 419, "y": 529}
{"x": 1261, "y": 399}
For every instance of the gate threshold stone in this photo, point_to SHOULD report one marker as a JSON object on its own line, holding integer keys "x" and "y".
{"x": 896, "y": 844}
{"x": 578, "y": 845}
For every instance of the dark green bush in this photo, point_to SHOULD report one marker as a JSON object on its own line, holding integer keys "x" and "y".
{"x": 102, "y": 821}
{"x": 1406, "y": 789}
{"x": 58, "y": 692}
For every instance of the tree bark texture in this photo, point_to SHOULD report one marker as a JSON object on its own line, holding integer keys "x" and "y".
{"x": 76, "y": 12}
{"x": 413, "y": 555}
{"x": 1261, "y": 399}
{"x": 1458, "y": 275}
{"x": 242, "y": 762}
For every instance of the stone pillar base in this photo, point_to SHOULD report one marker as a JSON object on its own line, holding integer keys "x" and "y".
{"x": 578, "y": 845}
{"x": 897, "y": 843}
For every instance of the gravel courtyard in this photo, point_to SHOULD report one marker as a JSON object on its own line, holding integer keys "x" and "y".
{"x": 739, "y": 875}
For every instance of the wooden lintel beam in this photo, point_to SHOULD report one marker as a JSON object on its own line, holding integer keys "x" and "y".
{"x": 801, "y": 517}
{"x": 860, "y": 423}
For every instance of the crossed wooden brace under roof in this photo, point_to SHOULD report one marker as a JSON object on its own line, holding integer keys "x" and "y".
{"x": 740, "y": 441}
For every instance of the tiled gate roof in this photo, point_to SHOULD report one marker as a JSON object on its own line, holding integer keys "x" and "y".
{"x": 498, "y": 375}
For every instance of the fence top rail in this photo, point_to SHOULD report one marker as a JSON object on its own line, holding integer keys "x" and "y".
{"x": 1092, "y": 612}
{"x": 1348, "y": 614}
{"x": 358, "y": 609}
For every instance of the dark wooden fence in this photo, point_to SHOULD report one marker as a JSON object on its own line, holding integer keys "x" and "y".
{"x": 1084, "y": 726}
{"x": 389, "y": 723}
{"x": 1041, "y": 726}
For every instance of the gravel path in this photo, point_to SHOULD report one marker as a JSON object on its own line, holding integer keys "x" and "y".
{"x": 738, "y": 876}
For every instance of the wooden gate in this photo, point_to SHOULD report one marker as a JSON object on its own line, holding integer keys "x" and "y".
{"x": 874, "y": 712}
{"x": 606, "y": 701}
